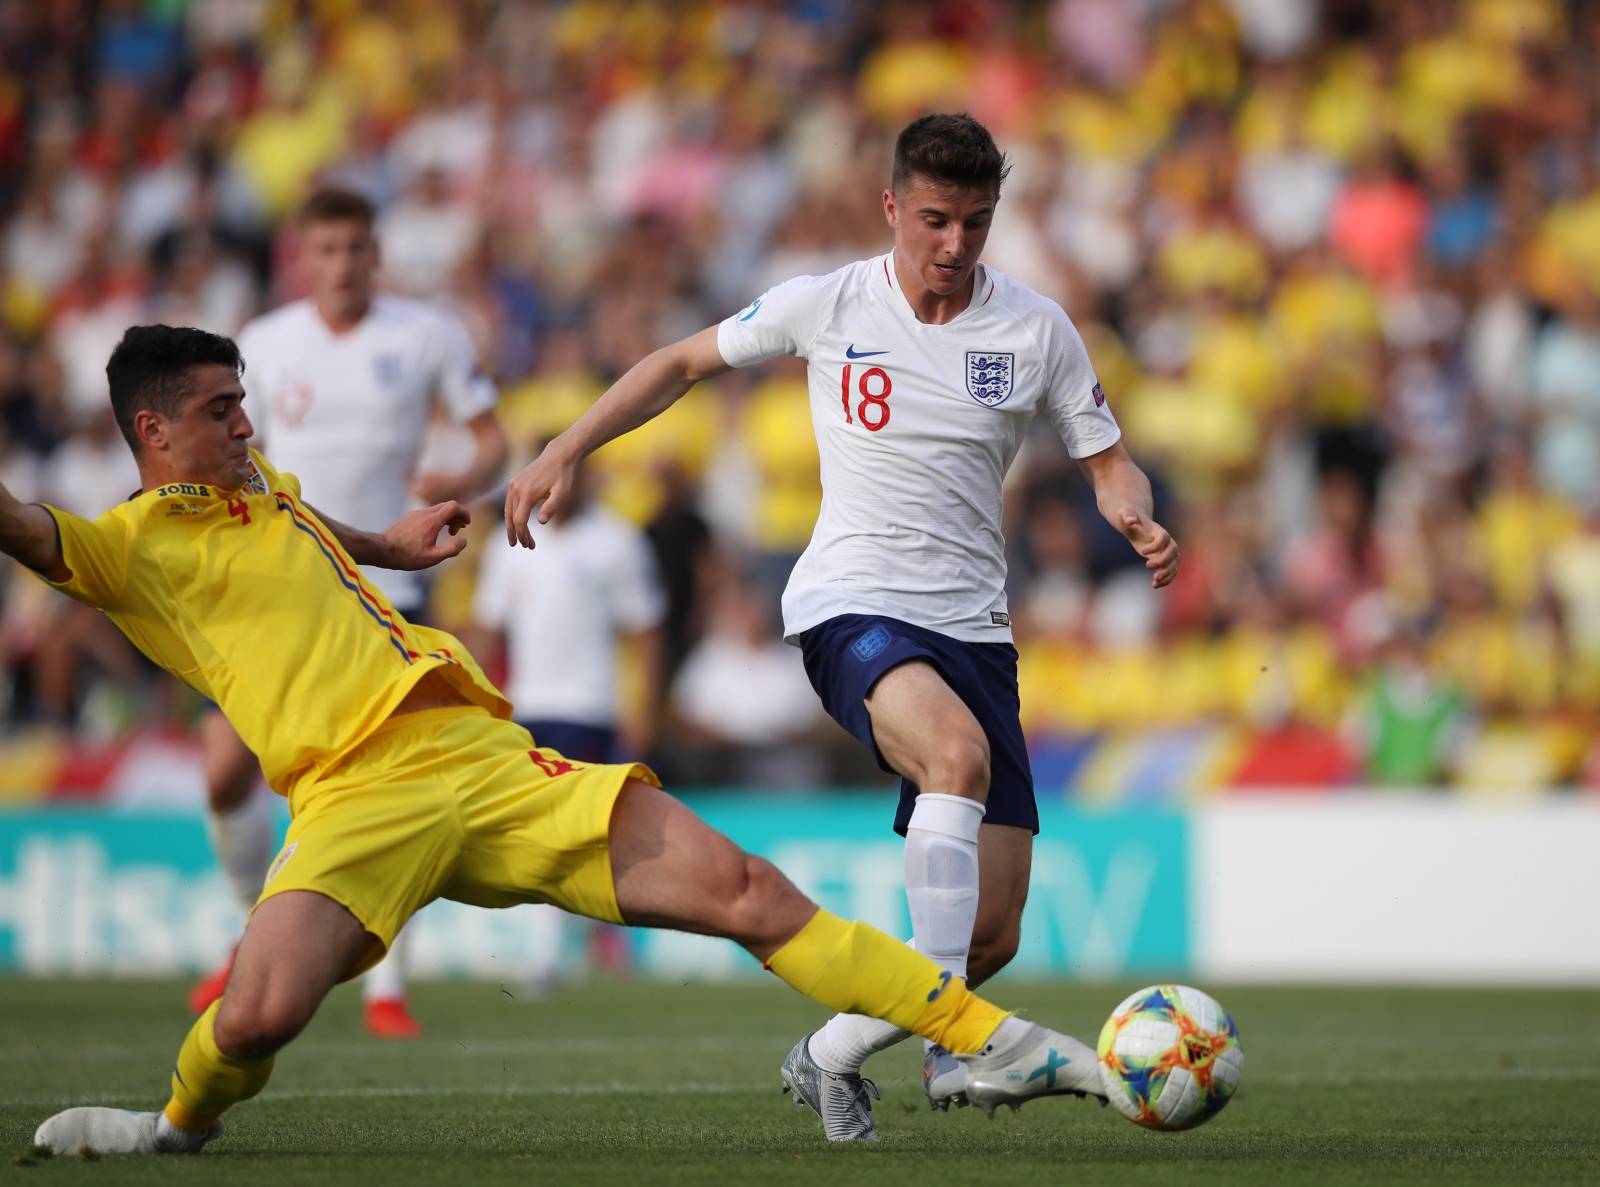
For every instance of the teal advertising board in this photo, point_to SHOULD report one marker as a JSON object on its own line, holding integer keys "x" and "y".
{"x": 98, "y": 893}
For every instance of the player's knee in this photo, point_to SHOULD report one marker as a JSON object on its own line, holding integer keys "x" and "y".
{"x": 959, "y": 765}
{"x": 258, "y": 1027}
{"x": 761, "y": 903}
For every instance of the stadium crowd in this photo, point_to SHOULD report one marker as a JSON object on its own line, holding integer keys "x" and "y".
{"x": 1337, "y": 264}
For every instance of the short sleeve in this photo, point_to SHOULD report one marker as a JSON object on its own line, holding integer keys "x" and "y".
{"x": 639, "y": 602}
{"x": 1076, "y": 401}
{"x": 464, "y": 386}
{"x": 96, "y": 552}
{"x": 491, "y": 597}
{"x": 783, "y": 320}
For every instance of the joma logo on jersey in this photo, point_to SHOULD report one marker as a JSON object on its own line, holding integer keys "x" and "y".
{"x": 185, "y": 488}
{"x": 989, "y": 376}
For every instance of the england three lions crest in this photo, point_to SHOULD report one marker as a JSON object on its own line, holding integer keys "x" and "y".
{"x": 989, "y": 376}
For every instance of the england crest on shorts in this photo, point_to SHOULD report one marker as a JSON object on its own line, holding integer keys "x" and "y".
{"x": 989, "y": 376}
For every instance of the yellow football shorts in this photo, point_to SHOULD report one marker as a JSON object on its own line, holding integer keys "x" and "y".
{"x": 453, "y": 803}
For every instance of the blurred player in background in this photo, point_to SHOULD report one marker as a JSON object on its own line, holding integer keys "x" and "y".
{"x": 925, "y": 370}
{"x": 347, "y": 381}
{"x": 406, "y": 779}
{"x": 565, "y": 616}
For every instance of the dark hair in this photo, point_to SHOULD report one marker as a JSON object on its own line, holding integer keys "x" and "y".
{"x": 954, "y": 150}
{"x": 149, "y": 370}
{"x": 335, "y": 205}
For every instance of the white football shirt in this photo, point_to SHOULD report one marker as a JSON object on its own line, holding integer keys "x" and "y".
{"x": 562, "y": 606}
{"x": 348, "y": 413}
{"x": 916, "y": 426}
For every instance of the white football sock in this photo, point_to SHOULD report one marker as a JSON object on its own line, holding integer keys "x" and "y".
{"x": 243, "y": 840}
{"x": 1010, "y": 1032}
{"x": 386, "y": 980}
{"x": 942, "y": 890}
{"x": 942, "y": 877}
{"x": 546, "y": 929}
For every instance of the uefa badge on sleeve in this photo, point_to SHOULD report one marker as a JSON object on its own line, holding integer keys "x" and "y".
{"x": 989, "y": 376}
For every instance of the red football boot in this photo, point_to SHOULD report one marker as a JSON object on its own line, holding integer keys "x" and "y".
{"x": 390, "y": 1018}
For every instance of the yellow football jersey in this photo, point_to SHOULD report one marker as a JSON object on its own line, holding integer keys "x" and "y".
{"x": 247, "y": 597}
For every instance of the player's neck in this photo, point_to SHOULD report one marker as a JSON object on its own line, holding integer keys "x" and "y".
{"x": 929, "y": 307}
{"x": 154, "y": 477}
{"x": 342, "y": 322}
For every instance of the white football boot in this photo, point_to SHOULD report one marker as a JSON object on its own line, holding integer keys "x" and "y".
{"x": 118, "y": 1131}
{"x": 1038, "y": 1063}
{"x": 842, "y": 1101}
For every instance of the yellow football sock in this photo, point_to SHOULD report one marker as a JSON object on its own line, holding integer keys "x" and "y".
{"x": 858, "y": 969}
{"x": 205, "y": 1081}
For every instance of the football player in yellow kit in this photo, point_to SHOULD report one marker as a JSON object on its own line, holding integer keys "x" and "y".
{"x": 405, "y": 777}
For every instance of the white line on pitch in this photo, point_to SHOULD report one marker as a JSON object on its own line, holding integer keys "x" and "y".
{"x": 618, "y": 1088}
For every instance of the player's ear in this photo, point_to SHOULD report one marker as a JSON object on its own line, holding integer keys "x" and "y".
{"x": 891, "y": 212}
{"x": 150, "y": 429}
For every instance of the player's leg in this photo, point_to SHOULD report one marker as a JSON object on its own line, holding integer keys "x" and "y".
{"x": 1005, "y": 864}
{"x": 924, "y": 731}
{"x": 605, "y": 842}
{"x": 673, "y": 870}
{"x": 239, "y": 821}
{"x": 296, "y": 947}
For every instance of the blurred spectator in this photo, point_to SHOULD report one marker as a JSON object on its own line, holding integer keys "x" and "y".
{"x": 1336, "y": 265}
{"x": 579, "y": 619}
{"x": 566, "y": 613}
{"x": 1408, "y": 726}
{"x": 726, "y": 732}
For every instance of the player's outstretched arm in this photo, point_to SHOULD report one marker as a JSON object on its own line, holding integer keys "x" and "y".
{"x": 649, "y": 388}
{"x": 411, "y": 542}
{"x": 28, "y": 532}
{"x": 1123, "y": 494}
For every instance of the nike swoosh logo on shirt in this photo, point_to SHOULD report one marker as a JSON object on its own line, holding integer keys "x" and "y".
{"x": 850, "y": 352}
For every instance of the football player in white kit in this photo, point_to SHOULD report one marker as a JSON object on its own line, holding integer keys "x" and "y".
{"x": 346, "y": 382}
{"x": 925, "y": 369}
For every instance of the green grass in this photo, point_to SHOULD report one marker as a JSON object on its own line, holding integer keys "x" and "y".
{"x": 637, "y": 1083}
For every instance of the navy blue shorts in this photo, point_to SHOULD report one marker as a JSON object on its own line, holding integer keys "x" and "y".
{"x": 580, "y": 743}
{"x": 846, "y": 656}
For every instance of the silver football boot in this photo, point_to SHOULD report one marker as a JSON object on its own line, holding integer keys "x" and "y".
{"x": 1040, "y": 1063}
{"x": 842, "y": 1101}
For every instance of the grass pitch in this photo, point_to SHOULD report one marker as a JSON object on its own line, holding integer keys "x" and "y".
{"x": 642, "y": 1083}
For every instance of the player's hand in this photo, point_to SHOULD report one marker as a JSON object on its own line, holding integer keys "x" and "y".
{"x": 436, "y": 488}
{"x": 545, "y": 483}
{"x": 415, "y": 541}
{"x": 1153, "y": 542}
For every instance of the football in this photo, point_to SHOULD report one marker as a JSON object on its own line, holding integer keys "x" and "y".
{"x": 1170, "y": 1057}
